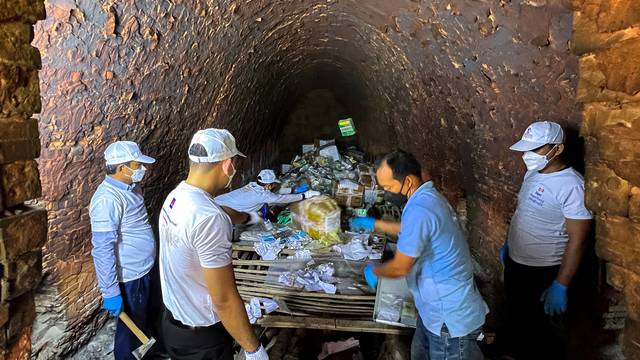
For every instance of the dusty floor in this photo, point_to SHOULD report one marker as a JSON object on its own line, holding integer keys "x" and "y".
{"x": 100, "y": 347}
{"x": 291, "y": 344}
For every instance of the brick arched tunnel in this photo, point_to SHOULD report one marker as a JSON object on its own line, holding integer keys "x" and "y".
{"x": 454, "y": 82}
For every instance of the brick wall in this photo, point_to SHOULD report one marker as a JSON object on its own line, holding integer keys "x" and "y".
{"x": 23, "y": 228}
{"x": 455, "y": 82}
{"x": 607, "y": 39}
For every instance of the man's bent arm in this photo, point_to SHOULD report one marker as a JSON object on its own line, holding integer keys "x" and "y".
{"x": 387, "y": 227}
{"x": 229, "y": 306}
{"x": 578, "y": 230}
{"x": 397, "y": 267}
{"x": 237, "y": 217}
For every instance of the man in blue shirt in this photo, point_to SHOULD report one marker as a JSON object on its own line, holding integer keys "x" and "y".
{"x": 123, "y": 242}
{"x": 434, "y": 257}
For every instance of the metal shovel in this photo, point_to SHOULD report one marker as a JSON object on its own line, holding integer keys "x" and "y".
{"x": 146, "y": 342}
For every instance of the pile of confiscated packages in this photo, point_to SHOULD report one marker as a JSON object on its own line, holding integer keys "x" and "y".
{"x": 313, "y": 234}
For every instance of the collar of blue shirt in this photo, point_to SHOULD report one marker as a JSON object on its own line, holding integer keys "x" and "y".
{"x": 119, "y": 184}
{"x": 426, "y": 186}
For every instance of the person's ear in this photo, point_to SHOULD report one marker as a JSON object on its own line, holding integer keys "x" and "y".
{"x": 559, "y": 149}
{"x": 226, "y": 166}
{"x": 409, "y": 182}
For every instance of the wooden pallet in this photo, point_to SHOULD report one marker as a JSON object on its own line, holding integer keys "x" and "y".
{"x": 251, "y": 275}
{"x": 336, "y": 324}
{"x": 309, "y": 310}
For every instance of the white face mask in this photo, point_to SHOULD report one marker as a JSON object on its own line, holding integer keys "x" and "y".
{"x": 230, "y": 176}
{"x": 536, "y": 161}
{"x": 137, "y": 175}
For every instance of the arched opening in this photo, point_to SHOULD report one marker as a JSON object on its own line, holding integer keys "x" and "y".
{"x": 453, "y": 82}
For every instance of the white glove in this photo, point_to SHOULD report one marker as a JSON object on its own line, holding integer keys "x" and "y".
{"x": 259, "y": 354}
{"x": 254, "y": 218}
{"x": 311, "y": 193}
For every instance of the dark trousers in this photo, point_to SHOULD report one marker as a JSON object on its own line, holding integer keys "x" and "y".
{"x": 200, "y": 343}
{"x": 530, "y": 333}
{"x": 135, "y": 297}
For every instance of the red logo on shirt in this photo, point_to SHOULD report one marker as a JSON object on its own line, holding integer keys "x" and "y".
{"x": 541, "y": 189}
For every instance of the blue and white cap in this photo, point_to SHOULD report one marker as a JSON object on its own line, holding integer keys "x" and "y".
{"x": 121, "y": 152}
{"x": 267, "y": 176}
{"x": 219, "y": 144}
{"x": 539, "y": 134}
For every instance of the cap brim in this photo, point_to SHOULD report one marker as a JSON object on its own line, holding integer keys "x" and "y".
{"x": 145, "y": 159}
{"x": 524, "y": 145}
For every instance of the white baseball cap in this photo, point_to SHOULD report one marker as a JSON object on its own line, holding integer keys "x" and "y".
{"x": 267, "y": 176}
{"x": 219, "y": 144}
{"x": 121, "y": 152}
{"x": 539, "y": 134}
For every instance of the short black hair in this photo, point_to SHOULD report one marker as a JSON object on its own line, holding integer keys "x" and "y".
{"x": 402, "y": 164}
{"x": 112, "y": 169}
{"x": 200, "y": 151}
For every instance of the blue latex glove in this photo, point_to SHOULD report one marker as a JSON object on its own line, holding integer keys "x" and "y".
{"x": 504, "y": 252}
{"x": 371, "y": 278}
{"x": 113, "y": 305}
{"x": 301, "y": 188}
{"x": 366, "y": 224}
{"x": 555, "y": 299}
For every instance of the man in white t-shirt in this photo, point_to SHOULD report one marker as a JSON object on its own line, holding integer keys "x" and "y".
{"x": 204, "y": 312}
{"x": 123, "y": 244}
{"x": 254, "y": 195}
{"x": 547, "y": 237}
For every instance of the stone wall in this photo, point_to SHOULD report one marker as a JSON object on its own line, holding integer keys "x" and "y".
{"x": 23, "y": 228}
{"x": 607, "y": 38}
{"x": 455, "y": 82}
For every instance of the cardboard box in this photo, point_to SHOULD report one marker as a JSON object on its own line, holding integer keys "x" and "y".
{"x": 368, "y": 181}
{"x": 348, "y": 193}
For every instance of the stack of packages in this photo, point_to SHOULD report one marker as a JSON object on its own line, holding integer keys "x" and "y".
{"x": 325, "y": 256}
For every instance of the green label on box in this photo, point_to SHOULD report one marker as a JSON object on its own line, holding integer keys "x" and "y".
{"x": 346, "y": 127}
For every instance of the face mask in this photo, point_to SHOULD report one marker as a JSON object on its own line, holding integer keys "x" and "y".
{"x": 137, "y": 175}
{"x": 230, "y": 176}
{"x": 535, "y": 161}
{"x": 396, "y": 198}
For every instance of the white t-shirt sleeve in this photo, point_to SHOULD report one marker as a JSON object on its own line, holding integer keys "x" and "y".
{"x": 105, "y": 213}
{"x": 276, "y": 199}
{"x": 573, "y": 206}
{"x": 212, "y": 241}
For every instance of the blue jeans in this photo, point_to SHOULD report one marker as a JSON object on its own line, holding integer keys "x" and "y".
{"x": 428, "y": 346}
{"x": 135, "y": 297}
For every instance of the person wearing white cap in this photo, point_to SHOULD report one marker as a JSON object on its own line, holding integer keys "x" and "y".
{"x": 123, "y": 241}
{"x": 254, "y": 195}
{"x": 203, "y": 309}
{"x": 546, "y": 240}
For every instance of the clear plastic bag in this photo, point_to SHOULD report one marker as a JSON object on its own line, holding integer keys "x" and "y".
{"x": 344, "y": 276}
{"x": 319, "y": 217}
